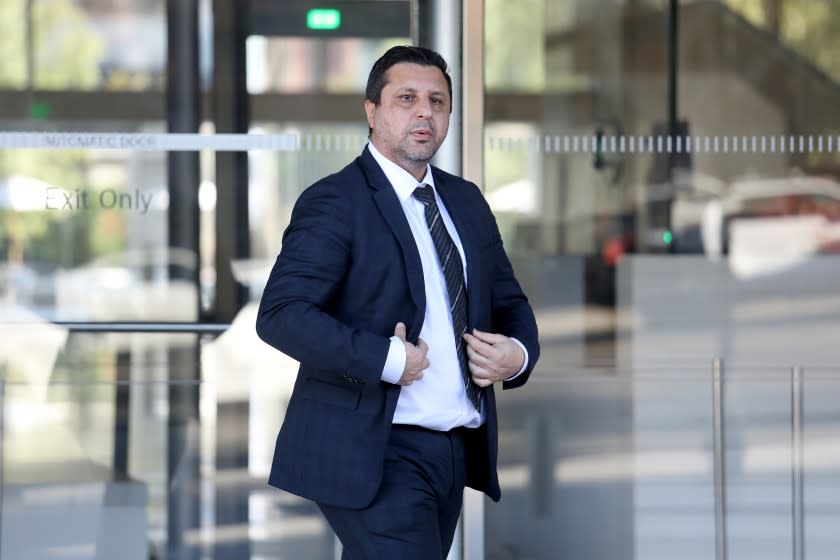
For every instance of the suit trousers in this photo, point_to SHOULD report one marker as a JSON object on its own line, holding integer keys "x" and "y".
{"x": 415, "y": 511}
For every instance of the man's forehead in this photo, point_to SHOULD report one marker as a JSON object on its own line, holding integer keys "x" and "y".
{"x": 414, "y": 76}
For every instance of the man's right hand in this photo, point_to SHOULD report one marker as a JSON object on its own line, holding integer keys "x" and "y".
{"x": 415, "y": 357}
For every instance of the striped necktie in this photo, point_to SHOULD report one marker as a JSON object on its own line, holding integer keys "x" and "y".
{"x": 453, "y": 273}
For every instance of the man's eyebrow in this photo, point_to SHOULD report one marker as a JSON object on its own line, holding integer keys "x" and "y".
{"x": 407, "y": 89}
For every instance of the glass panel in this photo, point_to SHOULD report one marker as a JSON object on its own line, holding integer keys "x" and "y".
{"x": 278, "y": 178}
{"x": 13, "y": 73}
{"x": 808, "y": 26}
{"x": 758, "y": 463}
{"x": 83, "y": 45}
{"x": 296, "y": 64}
{"x": 673, "y": 449}
{"x": 118, "y": 407}
{"x": 64, "y": 492}
{"x": 515, "y": 61}
{"x": 75, "y": 247}
{"x": 252, "y": 383}
{"x": 820, "y": 461}
{"x": 646, "y": 253}
{"x": 83, "y": 237}
{"x": 595, "y": 461}
{"x": 591, "y": 459}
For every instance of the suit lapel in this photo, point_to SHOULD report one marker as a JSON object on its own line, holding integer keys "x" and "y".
{"x": 458, "y": 208}
{"x": 388, "y": 202}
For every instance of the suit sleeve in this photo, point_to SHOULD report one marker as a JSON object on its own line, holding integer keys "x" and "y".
{"x": 293, "y": 315}
{"x": 512, "y": 315}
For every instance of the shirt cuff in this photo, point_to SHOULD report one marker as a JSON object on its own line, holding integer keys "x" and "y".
{"x": 524, "y": 366}
{"x": 395, "y": 362}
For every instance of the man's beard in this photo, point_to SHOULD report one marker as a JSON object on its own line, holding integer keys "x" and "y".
{"x": 419, "y": 154}
{"x": 422, "y": 153}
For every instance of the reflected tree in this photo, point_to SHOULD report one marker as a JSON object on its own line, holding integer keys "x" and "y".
{"x": 67, "y": 49}
{"x": 66, "y": 54}
{"x": 810, "y": 27}
{"x": 514, "y": 49}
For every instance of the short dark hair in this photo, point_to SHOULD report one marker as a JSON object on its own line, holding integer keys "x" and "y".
{"x": 395, "y": 55}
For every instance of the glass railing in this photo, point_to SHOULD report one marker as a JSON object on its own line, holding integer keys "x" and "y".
{"x": 97, "y": 469}
{"x": 145, "y": 440}
{"x": 644, "y": 462}
{"x": 669, "y": 462}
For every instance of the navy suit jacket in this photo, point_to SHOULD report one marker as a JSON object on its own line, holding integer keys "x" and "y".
{"x": 347, "y": 273}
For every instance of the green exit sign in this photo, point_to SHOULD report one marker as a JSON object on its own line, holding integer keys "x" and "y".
{"x": 367, "y": 19}
{"x": 323, "y": 19}
{"x": 39, "y": 110}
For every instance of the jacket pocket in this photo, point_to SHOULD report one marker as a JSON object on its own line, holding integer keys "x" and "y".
{"x": 334, "y": 393}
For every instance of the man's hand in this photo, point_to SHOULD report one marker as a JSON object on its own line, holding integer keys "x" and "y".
{"x": 415, "y": 357}
{"x": 493, "y": 357}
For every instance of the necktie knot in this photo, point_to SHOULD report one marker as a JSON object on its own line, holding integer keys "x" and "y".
{"x": 425, "y": 194}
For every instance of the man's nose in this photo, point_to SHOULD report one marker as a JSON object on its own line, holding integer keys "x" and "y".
{"x": 424, "y": 109}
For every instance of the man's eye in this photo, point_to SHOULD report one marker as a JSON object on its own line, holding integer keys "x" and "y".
{"x": 437, "y": 101}
{"x": 406, "y": 97}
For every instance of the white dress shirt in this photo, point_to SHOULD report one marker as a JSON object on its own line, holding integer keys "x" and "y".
{"x": 439, "y": 400}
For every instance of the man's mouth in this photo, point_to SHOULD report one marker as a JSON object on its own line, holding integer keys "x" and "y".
{"x": 422, "y": 133}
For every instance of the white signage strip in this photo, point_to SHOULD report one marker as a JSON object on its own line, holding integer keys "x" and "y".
{"x": 662, "y": 144}
{"x": 150, "y": 142}
{"x": 337, "y": 142}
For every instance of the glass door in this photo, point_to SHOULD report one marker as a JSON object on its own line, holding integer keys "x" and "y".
{"x": 666, "y": 175}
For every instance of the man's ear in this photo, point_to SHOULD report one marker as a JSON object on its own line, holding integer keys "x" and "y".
{"x": 370, "y": 111}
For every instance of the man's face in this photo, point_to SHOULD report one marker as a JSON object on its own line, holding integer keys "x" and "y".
{"x": 412, "y": 118}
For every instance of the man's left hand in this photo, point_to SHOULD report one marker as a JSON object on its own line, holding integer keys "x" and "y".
{"x": 493, "y": 357}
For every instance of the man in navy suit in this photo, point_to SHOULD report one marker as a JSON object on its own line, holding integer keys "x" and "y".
{"x": 394, "y": 292}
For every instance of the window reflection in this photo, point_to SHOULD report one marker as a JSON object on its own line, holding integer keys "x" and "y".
{"x": 294, "y": 64}
{"x": 83, "y": 45}
{"x": 76, "y": 223}
{"x": 644, "y": 263}
{"x": 808, "y": 26}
